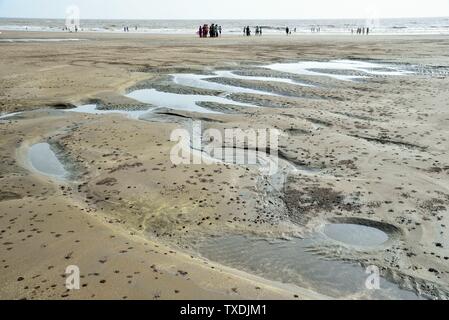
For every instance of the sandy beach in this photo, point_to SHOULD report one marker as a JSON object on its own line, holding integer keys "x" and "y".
{"x": 368, "y": 150}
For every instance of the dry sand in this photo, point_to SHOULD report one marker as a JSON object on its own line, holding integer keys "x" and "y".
{"x": 131, "y": 220}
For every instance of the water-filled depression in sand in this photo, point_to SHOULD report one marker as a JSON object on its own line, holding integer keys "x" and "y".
{"x": 331, "y": 69}
{"x": 44, "y": 161}
{"x": 296, "y": 262}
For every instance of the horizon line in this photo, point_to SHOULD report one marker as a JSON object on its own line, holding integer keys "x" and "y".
{"x": 235, "y": 19}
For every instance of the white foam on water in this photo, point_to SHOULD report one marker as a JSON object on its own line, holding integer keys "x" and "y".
{"x": 307, "y": 68}
{"x": 92, "y": 109}
{"x": 185, "y": 102}
{"x": 38, "y": 40}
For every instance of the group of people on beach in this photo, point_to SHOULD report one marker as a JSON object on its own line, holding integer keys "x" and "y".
{"x": 213, "y": 31}
{"x": 247, "y": 31}
{"x": 360, "y": 31}
{"x": 66, "y": 28}
{"x": 126, "y": 28}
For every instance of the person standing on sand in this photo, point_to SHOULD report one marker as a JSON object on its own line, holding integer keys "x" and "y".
{"x": 200, "y": 31}
{"x": 260, "y": 31}
{"x": 219, "y": 29}
{"x": 367, "y": 31}
{"x": 287, "y": 30}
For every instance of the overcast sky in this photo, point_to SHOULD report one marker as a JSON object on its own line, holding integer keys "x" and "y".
{"x": 225, "y": 9}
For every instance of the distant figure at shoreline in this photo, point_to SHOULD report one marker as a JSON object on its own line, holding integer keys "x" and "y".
{"x": 287, "y": 30}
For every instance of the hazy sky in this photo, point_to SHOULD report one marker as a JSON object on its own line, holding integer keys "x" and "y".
{"x": 225, "y": 9}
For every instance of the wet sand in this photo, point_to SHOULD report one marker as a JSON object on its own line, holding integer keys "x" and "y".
{"x": 374, "y": 149}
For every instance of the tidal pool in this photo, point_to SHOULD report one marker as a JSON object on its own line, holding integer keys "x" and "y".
{"x": 92, "y": 109}
{"x": 6, "y": 116}
{"x": 44, "y": 160}
{"x": 186, "y": 102}
{"x": 355, "y": 234}
{"x": 201, "y": 82}
{"x": 309, "y": 68}
{"x": 232, "y": 75}
{"x": 295, "y": 262}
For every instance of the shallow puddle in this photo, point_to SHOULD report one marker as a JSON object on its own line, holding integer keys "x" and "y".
{"x": 201, "y": 82}
{"x": 294, "y": 262}
{"x": 186, "y": 102}
{"x": 307, "y": 68}
{"x": 92, "y": 109}
{"x": 7, "y": 116}
{"x": 44, "y": 160}
{"x": 230, "y": 74}
{"x": 355, "y": 234}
